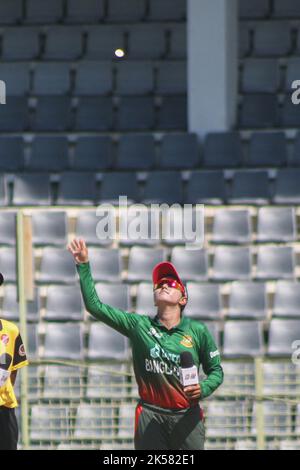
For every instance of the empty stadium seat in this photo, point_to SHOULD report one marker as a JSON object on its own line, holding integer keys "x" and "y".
{"x": 135, "y": 113}
{"x": 63, "y": 341}
{"x": 103, "y": 41}
{"x": 287, "y": 189}
{"x": 244, "y": 40}
{"x": 142, "y": 261}
{"x": 243, "y": 338}
{"x": 106, "y": 265}
{"x": 172, "y": 78}
{"x": 10, "y": 307}
{"x": 182, "y": 225}
{"x": 139, "y": 227}
{"x": 144, "y": 299}
{"x": 179, "y": 151}
{"x": 289, "y": 444}
{"x": 259, "y": 111}
{"x": 260, "y": 76}
{"x": 117, "y": 184}
{"x": 31, "y": 189}
{"x": 116, "y": 295}
{"x": 62, "y": 383}
{"x": 94, "y": 113}
{"x": 277, "y": 418}
{"x": 213, "y": 328}
{"x": 93, "y": 78}
{"x": 16, "y": 76}
{"x": 84, "y": 11}
{"x": 131, "y": 11}
{"x": 107, "y": 382}
{"x": 192, "y": 264}
{"x": 226, "y": 419}
{"x": 272, "y": 39}
{"x": 93, "y": 422}
{"x": 276, "y": 224}
{"x": 49, "y": 423}
{"x": 286, "y": 9}
{"x": 136, "y": 152}
{"x": 77, "y": 188}
{"x": 167, "y": 10}
{"x": 52, "y": 113}
{"x": 57, "y": 266}
{"x": 63, "y": 43}
{"x": 41, "y": 11}
{"x": 292, "y": 72}
{"x": 256, "y": 9}
{"x": 20, "y": 44}
{"x": 32, "y": 341}
{"x": 250, "y": 187}
{"x": 267, "y": 150}
{"x": 3, "y": 191}
{"x": 290, "y": 114}
{"x": 232, "y": 263}
{"x": 222, "y": 150}
{"x": 163, "y": 187}
{"x": 11, "y": 11}
{"x": 93, "y": 153}
{"x": 14, "y": 115}
{"x": 287, "y": 299}
{"x": 51, "y": 78}
{"x": 275, "y": 262}
{"x": 178, "y": 44}
{"x": 126, "y": 421}
{"x": 64, "y": 303}
{"x": 248, "y": 300}
{"x": 48, "y": 154}
{"x": 135, "y": 78}
{"x": 11, "y": 153}
{"x": 106, "y": 343}
{"x": 232, "y": 226}
{"x": 49, "y": 228}
{"x": 204, "y": 301}
{"x": 279, "y": 378}
{"x": 282, "y": 334}
{"x": 146, "y": 42}
{"x": 173, "y": 113}
{"x": 8, "y": 228}
{"x": 86, "y": 227}
{"x": 206, "y": 187}
{"x": 239, "y": 378}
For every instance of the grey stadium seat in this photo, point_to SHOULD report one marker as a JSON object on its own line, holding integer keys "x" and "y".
{"x": 109, "y": 382}
{"x": 41, "y": 11}
{"x": 167, "y": 10}
{"x": 20, "y": 44}
{"x": 93, "y": 78}
{"x": 295, "y": 160}
{"x": 49, "y": 423}
{"x": 84, "y": 11}
{"x": 51, "y": 78}
{"x": 276, "y": 224}
{"x": 11, "y": 11}
{"x": 139, "y": 227}
{"x": 64, "y": 303}
{"x": 106, "y": 264}
{"x": 63, "y": 43}
{"x": 272, "y": 39}
{"x": 3, "y": 191}
{"x": 126, "y": 422}
{"x": 94, "y": 113}
{"x": 146, "y": 42}
{"x": 144, "y": 299}
{"x": 192, "y": 264}
{"x": 87, "y": 224}
{"x": 206, "y": 187}
{"x": 232, "y": 226}
{"x": 10, "y": 307}
{"x": 49, "y": 228}
{"x": 32, "y": 341}
{"x": 287, "y": 299}
{"x": 289, "y": 444}
{"x": 260, "y": 76}
{"x": 173, "y": 113}
{"x": 135, "y": 78}
{"x": 244, "y": 40}
{"x": 213, "y": 328}
{"x": 118, "y": 184}
{"x": 103, "y": 41}
{"x": 250, "y": 187}
{"x": 142, "y": 261}
{"x": 248, "y": 300}
{"x": 172, "y": 78}
{"x": 136, "y": 113}
{"x": 232, "y": 263}
{"x": 14, "y": 115}
{"x": 277, "y": 419}
{"x": 222, "y": 150}
{"x": 226, "y": 419}
{"x": 286, "y": 9}
{"x": 136, "y": 152}
{"x": 292, "y": 72}
{"x": 57, "y": 266}
{"x": 178, "y": 44}
{"x": 267, "y": 150}
{"x": 93, "y": 422}
{"x": 204, "y": 301}
{"x": 7, "y": 228}
{"x": 287, "y": 189}
{"x": 275, "y": 262}
{"x": 31, "y": 189}
{"x": 183, "y": 226}
{"x": 243, "y": 338}
{"x": 163, "y": 187}
{"x": 239, "y": 378}
{"x": 282, "y": 334}
{"x": 62, "y": 383}
{"x": 93, "y": 153}
{"x": 290, "y": 114}
{"x": 63, "y": 341}
{"x": 52, "y": 113}
{"x": 16, "y": 76}
{"x": 106, "y": 343}
{"x": 77, "y": 188}
{"x": 256, "y": 9}
{"x": 117, "y": 295}
{"x": 48, "y": 154}
{"x": 131, "y": 11}
{"x": 259, "y": 111}
{"x": 11, "y": 153}
{"x": 279, "y": 378}
{"x": 179, "y": 151}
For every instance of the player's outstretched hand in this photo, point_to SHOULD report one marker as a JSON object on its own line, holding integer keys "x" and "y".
{"x": 79, "y": 250}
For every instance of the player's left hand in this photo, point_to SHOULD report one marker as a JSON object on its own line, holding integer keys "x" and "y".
{"x": 193, "y": 392}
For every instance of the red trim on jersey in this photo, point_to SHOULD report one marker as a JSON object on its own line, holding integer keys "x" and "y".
{"x": 138, "y": 412}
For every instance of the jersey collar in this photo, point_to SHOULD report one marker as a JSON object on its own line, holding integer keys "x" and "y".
{"x": 182, "y": 325}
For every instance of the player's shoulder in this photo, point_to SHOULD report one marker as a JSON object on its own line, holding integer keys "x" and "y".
{"x": 8, "y": 327}
{"x": 196, "y": 325}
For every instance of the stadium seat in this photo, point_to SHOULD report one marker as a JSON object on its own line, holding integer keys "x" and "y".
{"x": 77, "y": 188}
{"x": 32, "y": 341}
{"x": 109, "y": 382}
{"x": 64, "y": 303}
{"x": 146, "y": 42}
{"x": 192, "y": 264}
{"x": 260, "y": 76}
{"x": 142, "y": 261}
{"x": 276, "y": 224}
{"x": 290, "y": 115}
{"x": 286, "y": 9}
{"x": 20, "y": 44}
{"x": 168, "y": 10}
{"x": 289, "y": 444}
{"x": 52, "y": 113}
{"x": 163, "y": 187}
{"x": 41, "y": 11}
{"x": 11, "y": 153}
{"x": 239, "y": 379}
{"x": 172, "y": 78}
{"x": 204, "y": 301}
{"x": 135, "y": 78}
{"x": 136, "y": 113}
{"x": 106, "y": 343}
{"x": 287, "y": 189}
{"x": 93, "y": 153}
{"x": 3, "y": 191}
{"x": 277, "y": 418}
{"x": 106, "y": 265}
{"x": 246, "y": 444}
{"x": 7, "y": 228}
{"x": 272, "y": 39}
{"x": 259, "y": 111}
{"x": 11, "y": 12}
{"x": 139, "y": 227}
{"x": 243, "y": 338}
{"x": 31, "y": 189}
{"x": 178, "y": 44}
{"x": 126, "y": 421}
{"x": 179, "y": 151}
{"x": 94, "y": 113}
{"x": 292, "y": 72}
{"x": 93, "y": 78}
{"x": 232, "y": 263}
{"x": 57, "y": 266}
{"x": 51, "y": 78}
{"x": 206, "y": 187}
{"x": 136, "y": 152}
{"x": 244, "y": 40}
{"x": 84, "y": 11}
{"x": 93, "y": 422}
{"x": 144, "y": 299}
{"x": 256, "y": 9}
{"x": 173, "y": 113}
{"x": 267, "y": 150}
{"x": 275, "y": 262}
{"x": 103, "y": 41}
{"x": 49, "y": 423}
{"x": 287, "y": 299}
{"x": 183, "y": 225}
{"x": 117, "y": 184}
{"x": 63, "y": 43}
{"x": 213, "y": 328}
{"x": 16, "y": 76}
{"x": 131, "y": 11}
{"x": 248, "y": 300}
{"x": 295, "y": 158}
{"x": 48, "y": 154}
{"x": 226, "y": 419}
{"x": 62, "y": 383}
{"x": 14, "y": 115}
{"x": 87, "y": 227}
{"x": 279, "y": 378}
{"x": 250, "y": 187}
{"x": 63, "y": 341}
{"x": 232, "y": 226}
{"x": 282, "y": 334}
{"x": 10, "y": 307}
{"x": 117, "y": 295}
{"x": 222, "y": 150}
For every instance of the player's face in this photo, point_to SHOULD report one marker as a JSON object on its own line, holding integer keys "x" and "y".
{"x": 167, "y": 291}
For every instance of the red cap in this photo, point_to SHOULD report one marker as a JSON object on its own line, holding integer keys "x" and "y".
{"x": 166, "y": 269}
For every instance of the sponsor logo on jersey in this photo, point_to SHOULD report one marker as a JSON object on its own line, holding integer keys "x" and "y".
{"x": 22, "y": 351}
{"x": 214, "y": 354}
{"x": 155, "y": 352}
{"x": 153, "y": 332}
{"x": 5, "y": 339}
{"x": 187, "y": 341}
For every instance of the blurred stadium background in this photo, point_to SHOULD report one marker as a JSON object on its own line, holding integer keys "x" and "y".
{"x": 82, "y": 126}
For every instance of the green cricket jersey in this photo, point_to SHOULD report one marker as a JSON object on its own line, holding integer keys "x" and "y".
{"x": 156, "y": 350}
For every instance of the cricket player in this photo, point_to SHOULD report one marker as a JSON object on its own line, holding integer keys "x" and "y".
{"x": 168, "y": 415}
